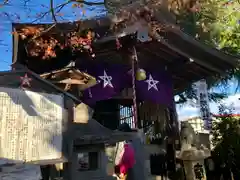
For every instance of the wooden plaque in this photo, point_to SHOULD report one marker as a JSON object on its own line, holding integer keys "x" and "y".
{"x": 31, "y": 125}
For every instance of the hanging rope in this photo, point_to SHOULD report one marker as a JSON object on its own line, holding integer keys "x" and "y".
{"x": 134, "y": 59}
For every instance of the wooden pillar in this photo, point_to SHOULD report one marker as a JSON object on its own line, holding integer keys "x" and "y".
{"x": 173, "y": 143}
{"x": 67, "y": 138}
{"x": 170, "y": 144}
{"x": 45, "y": 171}
{"x": 140, "y": 124}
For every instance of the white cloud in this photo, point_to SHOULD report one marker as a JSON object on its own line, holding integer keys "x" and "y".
{"x": 187, "y": 112}
{"x": 233, "y": 99}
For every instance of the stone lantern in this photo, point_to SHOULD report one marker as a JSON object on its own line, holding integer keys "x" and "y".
{"x": 87, "y": 157}
{"x": 193, "y": 161}
{"x": 192, "y": 157}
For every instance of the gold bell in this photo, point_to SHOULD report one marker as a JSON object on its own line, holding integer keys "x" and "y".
{"x": 141, "y": 74}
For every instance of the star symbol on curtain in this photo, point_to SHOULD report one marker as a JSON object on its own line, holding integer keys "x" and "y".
{"x": 106, "y": 79}
{"x": 152, "y": 83}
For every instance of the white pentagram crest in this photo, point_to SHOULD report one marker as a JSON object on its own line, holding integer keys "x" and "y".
{"x": 152, "y": 83}
{"x": 106, "y": 80}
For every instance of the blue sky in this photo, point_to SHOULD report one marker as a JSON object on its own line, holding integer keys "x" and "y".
{"x": 189, "y": 110}
{"x": 17, "y": 11}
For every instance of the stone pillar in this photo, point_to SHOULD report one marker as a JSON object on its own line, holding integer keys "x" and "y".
{"x": 193, "y": 160}
{"x": 96, "y": 160}
{"x": 139, "y": 169}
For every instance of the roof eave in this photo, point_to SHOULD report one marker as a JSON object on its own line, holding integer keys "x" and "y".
{"x": 75, "y": 99}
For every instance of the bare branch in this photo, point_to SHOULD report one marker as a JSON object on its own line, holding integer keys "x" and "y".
{"x": 88, "y": 3}
{"x": 52, "y": 11}
{"x": 59, "y": 7}
{"x": 42, "y": 16}
{"x": 43, "y": 32}
{"x": 5, "y": 2}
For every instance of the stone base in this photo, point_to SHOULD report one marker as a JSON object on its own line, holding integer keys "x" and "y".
{"x": 189, "y": 167}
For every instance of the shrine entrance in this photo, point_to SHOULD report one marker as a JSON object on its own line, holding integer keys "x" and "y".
{"x": 156, "y": 122}
{"x": 123, "y": 76}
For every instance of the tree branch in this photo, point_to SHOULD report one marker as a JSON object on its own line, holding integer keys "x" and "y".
{"x": 58, "y": 8}
{"x": 43, "y": 32}
{"x": 52, "y": 12}
{"x": 5, "y": 2}
{"x": 44, "y": 14}
{"x": 87, "y": 2}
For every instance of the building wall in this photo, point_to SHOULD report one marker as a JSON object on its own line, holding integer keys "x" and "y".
{"x": 197, "y": 124}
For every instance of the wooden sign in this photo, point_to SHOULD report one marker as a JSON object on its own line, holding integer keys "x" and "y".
{"x": 31, "y": 125}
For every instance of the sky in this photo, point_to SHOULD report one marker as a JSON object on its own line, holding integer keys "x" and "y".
{"x": 233, "y": 100}
{"x": 18, "y": 11}
{"x": 190, "y": 111}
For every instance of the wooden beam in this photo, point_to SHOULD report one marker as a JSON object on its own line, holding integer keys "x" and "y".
{"x": 160, "y": 47}
{"x": 197, "y": 61}
{"x": 69, "y": 81}
{"x": 230, "y": 59}
{"x": 67, "y": 87}
{"x": 53, "y": 86}
{"x": 178, "y": 78}
{"x": 53, "y": 72}
{"x": 79, "y": 74}
{"x": 76, "y": 77}
{"x": 90, "y": 83}
{"x": 69, "y": 27}
{"x": 15, "y": 40}
{"x": 156, "y": 54}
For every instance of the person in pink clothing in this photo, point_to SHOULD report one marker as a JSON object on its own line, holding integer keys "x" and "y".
{"x": 127, "y": 157}
{"x": 128, "y": 160}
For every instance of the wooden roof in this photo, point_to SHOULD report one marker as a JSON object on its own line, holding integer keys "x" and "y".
{"x": 12, "y": 79}
{"x": 70, "y": 80}
{"x": 187, "y": 59}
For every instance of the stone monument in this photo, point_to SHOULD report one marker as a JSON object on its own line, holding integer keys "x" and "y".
{"x": 191, "y": 154}
{"x": 88, "y": 159}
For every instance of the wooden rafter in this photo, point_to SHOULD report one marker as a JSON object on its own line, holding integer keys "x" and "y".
{"x": 197, "y": 61}
{"x": 68, "y": 81}
{"x": 44, "y": 75}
